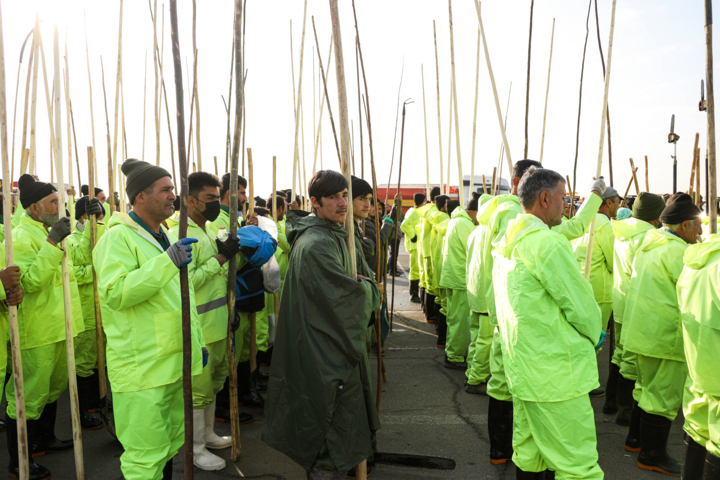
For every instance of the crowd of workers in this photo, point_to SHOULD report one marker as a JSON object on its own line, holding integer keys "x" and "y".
{"x": 502, "y": 279}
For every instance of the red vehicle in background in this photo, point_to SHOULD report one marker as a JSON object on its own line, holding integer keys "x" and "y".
{"x": 408, "y": 190}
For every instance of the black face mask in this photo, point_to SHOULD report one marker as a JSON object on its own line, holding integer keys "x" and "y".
{"x": 212, "y": 210}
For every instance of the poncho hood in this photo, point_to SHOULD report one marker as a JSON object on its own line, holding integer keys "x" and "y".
{"x": 488, "y": 208}
{"x": 521, "y": 227}
{"x": 624, "y": 230}
{"x": 696, "y": 256}
{"x": 299, "y": 221}
{"x": 657, "y": 237}
{"x": 460, "y": 212}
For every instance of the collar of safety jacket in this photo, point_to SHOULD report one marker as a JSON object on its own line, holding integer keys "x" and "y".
{"x": 657, "y": 237}
{"x": 124, "y": 219}
{"x": 624, "y": 230}
{"x": 696, "y": 256}
{"x": 486, "y": 211}
{"x": 519, "y": 228}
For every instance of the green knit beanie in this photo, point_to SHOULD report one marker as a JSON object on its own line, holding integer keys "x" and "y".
{"x": 140, "y": 175}
{"x": 648, "y": 206}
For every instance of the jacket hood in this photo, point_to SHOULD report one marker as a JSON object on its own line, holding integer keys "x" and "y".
{"x": 696, "y": 256}
{"x": 624, "y": 230}
{"x": 299, "y": 221}
{"x": 460, "y": 212}
{"x": 425, "y": 208}
{"x": 441, "y": 226}
{"x": 486, "y": 211}
{"x": 521, "y": 227}
{"x": 657, "y": 237}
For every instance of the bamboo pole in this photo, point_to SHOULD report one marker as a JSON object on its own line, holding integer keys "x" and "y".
{"x": 109, "y": 151}
{"x": 274, "y": 196}
{"x": 362, "y": 149}
{"x": 75, "y": 144}
{"x": 121, "y": 187}
{"x": 67, "y": 295}
{"x": 71, "y": 199}
{"x": 232, "y": 265}
{"x": 477, "y": 85}
{"x": 437, "y": 84}
{"x": 196, "y": 95}
{"x": 635, "y": 180}
{"x": 712, "y": 171}
{"x": 484, "y": 187}
{"x": 118, "y": 78}
{"x": 602, "y": 60}
{"x": 697, "y": 177}
{"x": 318, "y": 143}
{"x": 33, "y": 107}
{"x": 92, "y": 117}
{"x": 572, "y": 196}
{"x": 694, "y": 162}
{"x": 23, "y": 145}
{"x": 647, "y": 181}
{"x": 253, "y": 323}
{"x": 494, "y": 88}
{"x": 216, "y": 167}
{"x": 192, "y": 100}
{"x": 427, "y": 151}
{"x": 16, "y": 359}
{"x": 502, "y": 145}
{"x": 156, "y": 108}
{"x": 547, "y": 93}
{"x": 70, "y": 119}
{"x": 397, "y": 111}
{"x": 398, "y": 204}
{"x": 446, "y": 190}
{"x": 527, "y": 88}
{"x": 17, "y": 89}
{"x": 627, "y": 190}
{"x": 184, "y": 284}
{"x": 296, "y": 154}
{"x": 461, "y": 183}
{"x": 378, "y": 313}
{"x": 145, "y": 105}
{"x": 227, "y": 109}
{"x": 492, "y": 192}
{"x": 322, "y": 73}
{"x": 591, "y": 237}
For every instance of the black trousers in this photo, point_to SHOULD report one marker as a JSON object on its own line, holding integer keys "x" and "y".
{"x": 392, "y": 257}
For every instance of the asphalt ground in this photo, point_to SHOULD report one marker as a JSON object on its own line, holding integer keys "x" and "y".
{"x": 424, "y": 410}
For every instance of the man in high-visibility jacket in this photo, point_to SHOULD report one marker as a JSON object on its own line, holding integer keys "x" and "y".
{"x": 409, "y": 227}
{"x": 138, "y": 264}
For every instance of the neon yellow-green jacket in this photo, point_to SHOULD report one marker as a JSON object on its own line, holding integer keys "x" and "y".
{"x": 698, "y": 290}
{"x": 209, "y": 280}
{"x": 426, "y": 212}
{"x": 41, "y": 315}
{"x": 548, "y": 318}
{"x": 440, "y": 222}
{"x": 409, "y": 227}
{"x": 475, "y": 292}
{"x": 455, "y": 250}
{"x": 629, "y": 235}
{"x": 17, "y": 216}
{"x": 139, "y": 289}
{"x": 174, "y": 220}
{"x": 83, "y": 273}
{"x": 601, "y": 265}
{"x": 495, "y": 216}
{"x": 651, "y": 321}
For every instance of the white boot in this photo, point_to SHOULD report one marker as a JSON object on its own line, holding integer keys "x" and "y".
{"x": 211, "y": 439}
{"x": 201, "y": 457}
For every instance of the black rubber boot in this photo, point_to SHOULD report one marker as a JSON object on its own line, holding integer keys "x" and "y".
{"x": 45, "y": 440}
{"x": 632, "y": 441}
{"x": 94, "y": 399}
{"x": 712, "y": 467}
{"x": 167, "y": 471}
{"x": 87, "y": 420}
{"x": 500, "y": 430}
{"x": 245, "y": 396}
{"x": 421, "y": 294}
{"x": 432, "y": 309}
{"x": 654, "y": 432}
{"x": 37, "y": 472}
{"x": 624, "y": 401}
{"x": 611, "y": 386}
{"x": 523, "y": 475}
{"x": 441, "y": 330}
{"x": 693, "y": 459}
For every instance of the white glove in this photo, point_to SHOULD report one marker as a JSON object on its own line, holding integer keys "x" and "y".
{"x": 598, "y": 185}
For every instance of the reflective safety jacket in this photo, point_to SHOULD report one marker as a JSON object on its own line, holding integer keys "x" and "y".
{"x": 651, "y": 321}
{"x": 698, "y": 290}
{"x": 629, "y": 235}
{"x": 475, "y": 292}
{"x": 441, "y": 221}
{"x": 601, "y": 265}
{"x": 139, "y": 289}
{"x": 41, "y": 315}
{"x": 83, "y": 273}
{"x": 209, "y": 280}
{"x": 409, "y": 227}
{"x": 426, "y": 212}
{"x": 455, "y": 250}
{"x": 548, "y": 318}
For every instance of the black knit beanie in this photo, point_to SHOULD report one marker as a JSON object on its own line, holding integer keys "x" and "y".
{"x": 680, "y": 208}
{"x": 32, "y": 191}
{"x": 140, "y": 175}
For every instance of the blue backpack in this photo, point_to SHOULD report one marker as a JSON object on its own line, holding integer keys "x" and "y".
{"x": 257, "y": 247}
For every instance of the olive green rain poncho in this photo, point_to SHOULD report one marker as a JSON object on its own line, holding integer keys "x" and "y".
{"x": 319, "y": 393}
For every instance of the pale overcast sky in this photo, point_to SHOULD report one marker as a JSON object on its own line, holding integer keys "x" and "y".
{"x": 658, "y": 62}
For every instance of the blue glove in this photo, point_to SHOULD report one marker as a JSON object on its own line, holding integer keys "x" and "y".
{"x": 180, "y": 252}
{"x": 206, "y": 355}
{"x": 602, "y": 339}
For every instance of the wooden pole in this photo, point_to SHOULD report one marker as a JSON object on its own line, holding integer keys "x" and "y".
{"x": 697, "y": 177}
{"x": 591, "y": 237}
{"x": 296, "y": 154}
{"x": 196, "y": 95}
{"x": 227, "y": 109}
{"x": 67, "y": 295}
{"x": 492, "y": 82}
{"x": 492, "y": 192}
{"x": 362, "y": 149}
{"x": 694, "y": 168}
{"x": 398, "y": 203}
{"x": 17, "y": 366}
{"x": 378, "y": 267}
{"x": 502, "y": 145}
{"x": 635, "y": 180}
{"x": 145, "y": 104}
{"x": 71, "y": 199}
{"x": 23, "y": 145}
{"x": 324, "y": 79}
{"x": 70, "y": 120}
{"x": 118, "y": 78}
{"x": 427, "y": 151}
{"x": 253, "y": 323}
{"x": 157, "y": 105}
{"x": 17, "y": 89}
{"x": 647, "y": 181}
{"x": 274, "y": 196}
{"x": 318, "y": 143}
{"x": 397, "y": 111}
{"x": 109, "y": 151}
{"x": 527, "y": 89}
{"x": 602, "y": 60}
{"x": 232, "y": 263}
{"x": 446, "y": 190}
{"x": 477, "y": 85}
{"x": 712, "y": 172}
{"x": 33, "y": 105}
{"x": 627, "y": 190}
{"x": 437, "y": 84}
{"x": 484, "y": 186}
{"x": 461, "y": 188}
{"x": 547, "y": 93}
{"x": 184, "y": 284}
{"x": 92, "y": 117}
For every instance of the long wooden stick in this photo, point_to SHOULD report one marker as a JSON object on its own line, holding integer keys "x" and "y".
{"x": 156, "y": 108}
{"x": 627, "y": 190}
{"x": 67, "y": 295}
{"x": 23, "y": 145}
{"x": 637, "y": 185}
{"x": 647, "y": 181}
{"x": 318, "y": 143}
{"x": 33, "y": 110}
{"x": 437, "y": 84}
{"x": 492, "y": 82}
{"x": 527, "y": 89}
{"x": 492, "y": 192}
{"x": 582, "y": 73}
{"x": 109, "y": 151}
{"x": 398, "y": 204}
{"x": 484, "y": 185}
{"x": 591, "y": 237}
{"x": 17, "y": 366}
{"x": 70, "y": 119}
{"x": 324, "y": 78}
{"x": 145, "y": 105}
{"x": 602, "y": 60}
{"x": 712, "y": 171}
{"x": 446, "y": 190}
{"x": 227, "y": 108}
{"x": 427, "y": 151}
{"x": 694, "y": 167}
{"x": 397, "y": 112}
{"x": 118, "y": 78}
{"x": 697, "y": 177}
{"x": 71, "y": 199}
{"x": 296, "y": 154}
{"x": 378, "y": 265}
{"x": 502, "y": 146}
{"x": 196, "y": 95}
{"x": 184, "y": 284}
{"x": 477, "y": 87}
{"x": 547, "y": 94}
{"x": 461, "y": 189}
{"x": 17, "y": 89}
{"x": 362, "y": 149}
{"x": 232, "y": 263}
{"x": 92, "y": 117}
